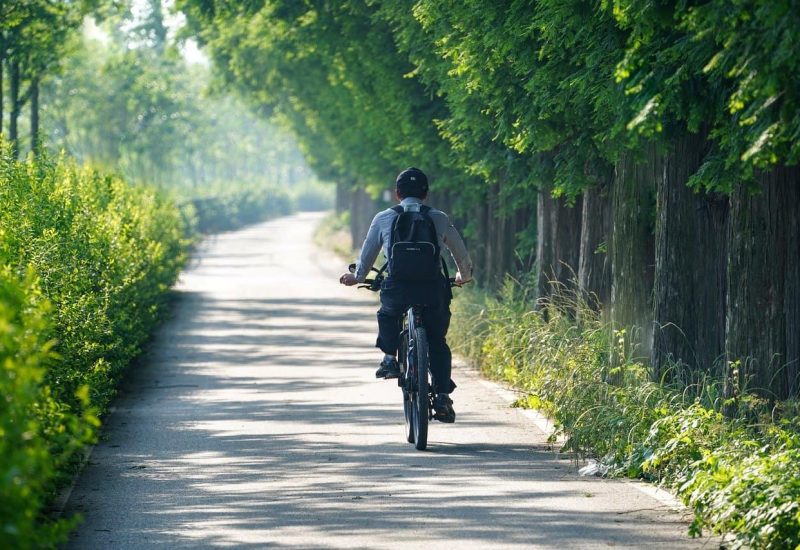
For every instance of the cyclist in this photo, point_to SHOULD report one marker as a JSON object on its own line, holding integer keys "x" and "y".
{"x": 411, "y": 188}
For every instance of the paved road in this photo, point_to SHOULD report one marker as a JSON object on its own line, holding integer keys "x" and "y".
{"x": 256, "y": 423}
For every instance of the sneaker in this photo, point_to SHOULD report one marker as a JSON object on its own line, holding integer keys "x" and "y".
{"x": 443, "y": 408}
{"x": 388, "y": 369}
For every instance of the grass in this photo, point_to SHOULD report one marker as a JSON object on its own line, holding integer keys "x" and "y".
{"x": 333, "y": 233}
{"x": 739, "y": 474}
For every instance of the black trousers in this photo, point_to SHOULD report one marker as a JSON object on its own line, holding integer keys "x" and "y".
{"x": 396, "y": 298}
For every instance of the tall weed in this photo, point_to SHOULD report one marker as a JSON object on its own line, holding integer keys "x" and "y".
{"x": 740, "y": 477}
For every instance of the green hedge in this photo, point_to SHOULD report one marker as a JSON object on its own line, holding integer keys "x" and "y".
{"x": 86, "y": 262}
{"x": 239, "y": 207}
{"x": 738, "y": 473}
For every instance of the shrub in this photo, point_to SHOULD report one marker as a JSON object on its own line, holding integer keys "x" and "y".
{"x": 333, "y": 233}
{"x": 85, "y": 265}
{"x": 311, "y": 196}
{"x": 237, "y": 207}
{"x": 739, "y": 476}
{"x": 25, "y": 461}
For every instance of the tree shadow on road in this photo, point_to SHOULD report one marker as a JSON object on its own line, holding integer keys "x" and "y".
{"x": 250, "y": 450}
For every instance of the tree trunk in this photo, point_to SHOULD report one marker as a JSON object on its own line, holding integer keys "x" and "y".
{"x": 504, "y": 222}
{"x": 568, "y": 241}
{"x": 689, "y": 286}
{"x": 490, "y": 238}
{"x": 594, "y": 266}
{"x": 342, "y": 198}
{"x": 2, "y": 82}
{"x": 15, "y": 106}
{"x": 484, "y": 244}
{"x": 632, "y": 254}
{"x": 478, "y": 246}
{"x": 545, "y": 204}
{"x": 362, "y": 209}
{"x": 558, "y": 242}
{"x": 526, "y": 226}
{"x": 502, "y": 236}
{"x": 35, "y": 116}
{"x": 763, "y": 306}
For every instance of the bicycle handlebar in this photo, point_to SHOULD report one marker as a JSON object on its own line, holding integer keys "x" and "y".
{"x": 352, "y": 269}
{"x": 375, "y": 284}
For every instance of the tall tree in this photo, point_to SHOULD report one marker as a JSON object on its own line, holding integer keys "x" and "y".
{"x": 33, "y": 36}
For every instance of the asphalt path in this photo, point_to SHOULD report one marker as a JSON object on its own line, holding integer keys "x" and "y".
{"x": 255, "y": 421}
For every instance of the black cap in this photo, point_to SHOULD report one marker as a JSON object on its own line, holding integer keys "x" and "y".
{"x": 412, "y": 182}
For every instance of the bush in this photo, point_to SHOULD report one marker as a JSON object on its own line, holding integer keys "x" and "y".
{"x": 333, "y": 233}
{"x": 740, "y": 476}
{"x": 238, "y": 207}
{"x": 313, "y": 196}
{"x": 25, "y": 460}
{"x": 85, "y": 265}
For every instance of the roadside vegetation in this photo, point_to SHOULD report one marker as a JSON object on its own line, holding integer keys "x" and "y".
{"x": 333, "y": 233}
{"x": 86, "y": 263}
{"x": 732, "y": 460}
{"x": 233, "y": 207}
{"x": 227, "y": 207}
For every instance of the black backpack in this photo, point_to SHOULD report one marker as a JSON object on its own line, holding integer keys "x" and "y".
{"x": 414, "y": 246}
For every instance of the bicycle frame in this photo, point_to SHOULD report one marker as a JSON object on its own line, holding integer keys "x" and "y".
{"x": 412, "y": 319}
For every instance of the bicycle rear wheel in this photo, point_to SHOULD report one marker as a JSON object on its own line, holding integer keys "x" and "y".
{"x": 419, "y": 397}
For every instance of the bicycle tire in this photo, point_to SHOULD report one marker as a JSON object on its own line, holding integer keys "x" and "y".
{"x": 420, "y": 398}
{"x": 408, "y": 410}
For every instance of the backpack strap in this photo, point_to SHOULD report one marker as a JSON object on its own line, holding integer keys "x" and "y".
{"x": 425, "y": 211}
{"x": 399, "y": 210}
{"x": 382, "y": 269}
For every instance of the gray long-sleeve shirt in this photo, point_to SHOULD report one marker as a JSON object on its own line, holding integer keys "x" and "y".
{"x": 380, "y": 235}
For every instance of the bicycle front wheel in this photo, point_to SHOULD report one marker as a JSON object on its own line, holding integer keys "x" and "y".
{"x": 408, "y": 404}
{"x": 419, "y": 397}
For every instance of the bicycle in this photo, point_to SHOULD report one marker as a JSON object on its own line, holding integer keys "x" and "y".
{"x": 414, "y": 361}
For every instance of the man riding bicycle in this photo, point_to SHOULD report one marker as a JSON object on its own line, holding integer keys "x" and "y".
{"x": 397, "y": 295}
